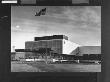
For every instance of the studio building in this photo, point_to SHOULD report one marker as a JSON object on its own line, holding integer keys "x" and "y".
{"x": 58, "y": 44}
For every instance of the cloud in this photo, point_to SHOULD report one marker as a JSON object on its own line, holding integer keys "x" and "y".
{"x": 86, "y": 15}
{"x": 79, "y": 17}
{"x": 82, "y": 24}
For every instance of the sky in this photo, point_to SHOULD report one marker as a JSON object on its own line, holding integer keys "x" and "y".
{"x": 82, "y": 24}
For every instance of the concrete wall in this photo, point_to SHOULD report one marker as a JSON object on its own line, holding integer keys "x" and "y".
{"x": 69, "y": 47}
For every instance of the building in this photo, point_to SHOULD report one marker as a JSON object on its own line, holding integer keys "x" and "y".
{"x": 87, "y": 50}
{"x": 13, "y": 54}
{"x": 57, "y": 44}
{"x": 20, "y": 55}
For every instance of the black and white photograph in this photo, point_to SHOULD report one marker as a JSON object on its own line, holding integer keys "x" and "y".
{"x": 56, "y": 38}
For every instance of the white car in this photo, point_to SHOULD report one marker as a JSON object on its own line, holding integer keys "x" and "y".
{"x": 29, "y": 59}
{"x": 54, "y": 60}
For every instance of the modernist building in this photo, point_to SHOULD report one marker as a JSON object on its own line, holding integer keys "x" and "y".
{"x": 57, "y": 44}
{"x": 87, "y": 50}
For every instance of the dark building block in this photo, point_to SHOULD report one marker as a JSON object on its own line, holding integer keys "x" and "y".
{"x": 51, "y": 37}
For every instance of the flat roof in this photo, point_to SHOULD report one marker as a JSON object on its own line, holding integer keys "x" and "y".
{"x": 90, "y": 49}
{"x": 51, "y": 37}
